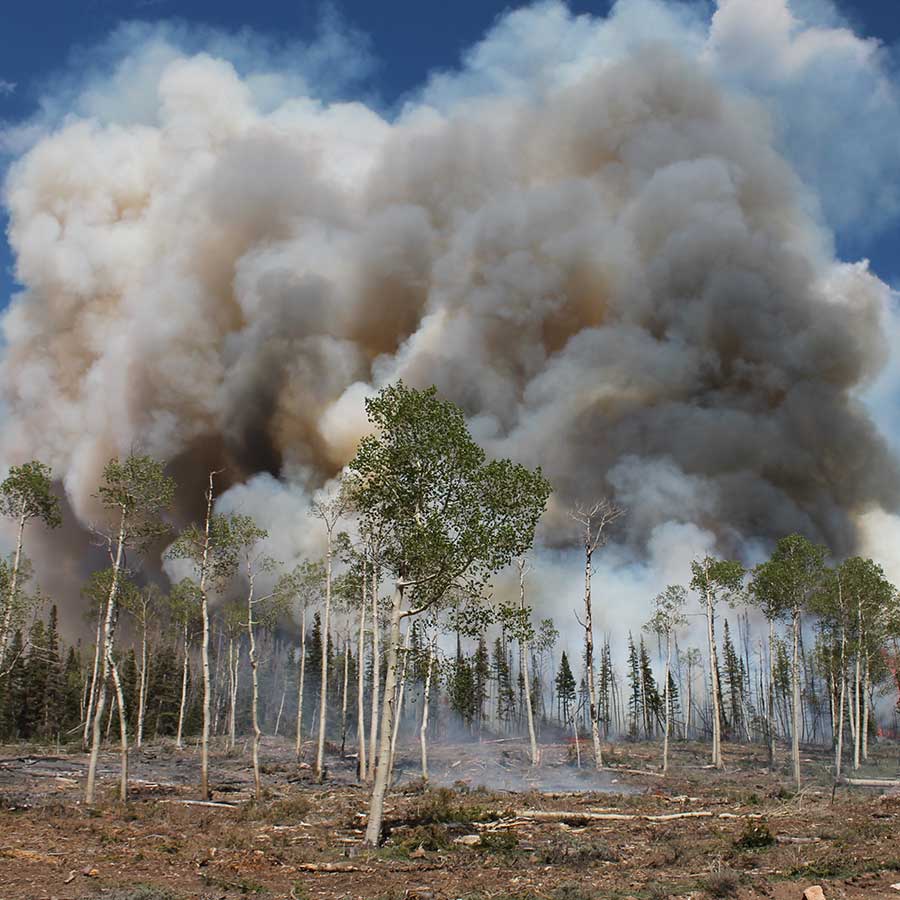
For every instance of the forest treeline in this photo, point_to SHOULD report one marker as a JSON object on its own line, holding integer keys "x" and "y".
{"x": 395, "y": 634}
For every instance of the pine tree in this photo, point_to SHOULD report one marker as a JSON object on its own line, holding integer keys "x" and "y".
{"x": 652, "y": 702}
{"x": 733, "y": 682}
{"x": 565, "y": 689}
{"x": 635, "y": 701}
{"x": 36, "y": 671}
{"x": 481, "y": 673}
{"x": 12, "y": 711}
{"x": 506, "y": 697}
{"x": 164, "y": 691}
{"x": 604, "y": 688}
{"x": 73, "y": 686}
{"x": 461, "y": 689}
{"x": 54, "y": 700}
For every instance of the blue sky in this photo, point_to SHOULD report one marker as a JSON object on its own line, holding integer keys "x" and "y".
{"x": 406, "y": 40}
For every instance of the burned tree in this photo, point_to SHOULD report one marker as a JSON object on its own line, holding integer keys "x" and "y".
{"x": 593, "y": 520}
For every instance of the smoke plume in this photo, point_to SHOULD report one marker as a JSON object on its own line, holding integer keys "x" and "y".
{"x": 606, "y": 239}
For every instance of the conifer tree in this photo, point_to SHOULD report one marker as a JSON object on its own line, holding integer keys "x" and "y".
{"x": 565, "y": 690}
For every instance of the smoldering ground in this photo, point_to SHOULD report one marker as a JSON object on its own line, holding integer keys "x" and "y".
{"x": 604, "y": 246}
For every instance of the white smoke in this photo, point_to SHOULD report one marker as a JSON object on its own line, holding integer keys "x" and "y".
{"x": 608, "y": 239}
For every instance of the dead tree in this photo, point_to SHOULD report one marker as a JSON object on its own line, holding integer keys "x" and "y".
{"x": 593, "y": 520}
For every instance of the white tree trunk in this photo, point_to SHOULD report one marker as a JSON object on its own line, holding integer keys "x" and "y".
{"x": 857, "y": 708}
{"x": 300, "y": 684}
{"x": 232, "y": 700}
{"x": 344, "y": 696}
{"x": 401, "y": 687}
{"x": 323, "y": 691}
{"x": 179, "y": 740}
{"x": 589, "y": 661}
{"x": 715, "y": 687}
{"x": 6, "y": 626}
{"x": 374, "y": 714}
{"x": 524, "y": 649}
{"x": 142, "y": 687}
{"x": 360, "y": 688}
{"x": 92, "y": 696}
{"x": 839, "y": 730}
{"x": 866, "y": 710}
{"x": 770, "y": 706}
{"x": 426, "y": 703}
{"x": 668, "y": 725}
{"x": 108, "y": 630}
{"x": 204, "y": 648}
{"x": 382, "y": 771}
{"x": 795, "y": 698}
{"x": 254, "y": 697}
{"x": 123, "y": 731}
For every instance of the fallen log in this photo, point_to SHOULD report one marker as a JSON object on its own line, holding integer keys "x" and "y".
{"x": 552, "y": 815}
{"x": 330, "y": 867}
{"x": 215, "y": 803}
{"x": 872, "y": 782}
{"x": 618, "y": 769}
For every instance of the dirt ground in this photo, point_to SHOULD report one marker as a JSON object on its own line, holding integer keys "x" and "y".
{"x": 485, "y": 834}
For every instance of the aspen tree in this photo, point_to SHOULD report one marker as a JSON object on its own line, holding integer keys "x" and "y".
{"x": 446, "y": 515}
{"x": 135, "y": 491}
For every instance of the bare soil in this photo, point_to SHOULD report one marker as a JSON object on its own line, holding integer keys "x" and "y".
{"x": 754, "y": 836}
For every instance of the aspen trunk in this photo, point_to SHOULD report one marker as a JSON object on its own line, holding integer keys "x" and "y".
{"x": 142, "y": 687}
{"x": 300, "y": 685}
{"x": 665, "y": 764}
{"x": 323, "y": 693}
{"x": 6, "y": 627}
{"x": 229, "y": 743}
{"x": 714, "y": 683}
{"x": 523, "y": 649}
{"x": 254, "y": 697}
{"x": 382, "y": 770}
{"x": 401, "y": 687}
{"x": 589, "y": 657}
{"x": 344, "y": 697}
{"x": 123, "y": 732}
{"x": 360, "y": 687}
{"x": 92, "y": 696}
{"x": 376, "y": 679}
{"x": 866, "y": 708}
{"x": 857, "y": 711}
{"x": 179, "y": 742}
{"x": 795, "y": 698}
{"x": 426, "y": 703}
{"x": 770, "y": 706}
{"x": 689, "y": 719}
{"x": 235, "y": 676}
{"x": 839, "y": 743}
{"x": 204, "y": 649}
{"x": 108, "y": 630}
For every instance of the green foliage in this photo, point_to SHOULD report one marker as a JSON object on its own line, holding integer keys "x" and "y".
{"x": 27, "y": 492}
{"x": 668, "y": 611}
{"x": 755, "y": 836}
{"x": 718, "y": 579}
{"x": 788, "y": 582}
{"x": 565, "y": 688}
{"x": 230, "y": 538}
{"x": 445, "y": 514}
{"x": 442, "y": 806}
{"x": 138, "y": 491}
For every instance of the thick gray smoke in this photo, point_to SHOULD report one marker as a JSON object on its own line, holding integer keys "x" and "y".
{"x": 597, "y": 248}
